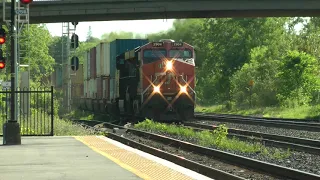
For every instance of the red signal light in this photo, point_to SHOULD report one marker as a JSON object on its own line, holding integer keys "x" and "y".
{"x": 26, "y": 1}
{"x": 2, "y": 40}
{"x": 2, "y": 65}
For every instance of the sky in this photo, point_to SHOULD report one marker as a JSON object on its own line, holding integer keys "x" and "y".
{"x": 98, "y": 28}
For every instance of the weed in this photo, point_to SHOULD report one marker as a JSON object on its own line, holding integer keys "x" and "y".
{"x": 217, "y": 138}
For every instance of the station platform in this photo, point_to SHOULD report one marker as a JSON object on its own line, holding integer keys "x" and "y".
{"x": 84, "y": 158}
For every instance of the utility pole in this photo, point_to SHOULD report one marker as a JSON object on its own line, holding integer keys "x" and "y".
{"x": 11, "y": 134}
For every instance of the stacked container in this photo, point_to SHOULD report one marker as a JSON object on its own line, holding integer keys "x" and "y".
{"x": 85, "y": 87}
{"x": 99, "y": 87}
{"x": 105, "y": 59}
{"x": 93, "y": 63}
{"x": 100, "y": 74}
{"x": 117, "y": 47}
{"x": 105, "y": 89}
{"x": 98, "y": 60}
{"x": 88, "y": 65}
{"x": 78, "y": 77}
{"x": 85, "y": 66}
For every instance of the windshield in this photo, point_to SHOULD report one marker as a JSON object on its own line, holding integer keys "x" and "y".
{"x": 176, "y": 53}
{"x": 152, "y": 55}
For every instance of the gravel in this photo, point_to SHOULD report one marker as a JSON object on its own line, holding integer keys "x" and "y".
{"x": 205, "y": 160}
{"x": 269, "y": 130}
{"x": 297, "y": 160}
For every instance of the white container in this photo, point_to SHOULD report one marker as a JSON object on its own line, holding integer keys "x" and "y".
{"x": 85, "y": 66}
{"x": 104, "y": 89}
{"x": 88, "y": 65}
{"x": 112, "y": 88}
{"x": 94, "y": 88}
{"x": 98, "y": 59}
{"x": 105, "y": 59}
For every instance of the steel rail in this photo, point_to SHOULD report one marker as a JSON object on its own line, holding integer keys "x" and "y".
{"x": 232, "y": 158}
{"x": 263, "y": 118}
{"x": 299, "y": 144}
{"x": 192, "y": 165}
{"x": 261, "y": 122}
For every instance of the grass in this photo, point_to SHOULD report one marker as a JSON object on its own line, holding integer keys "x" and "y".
{"x": 302, "y": 112}
{"x": 217, "y": 138}
{"x": 62, "y": 127}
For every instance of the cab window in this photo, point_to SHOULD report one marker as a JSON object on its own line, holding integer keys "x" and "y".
{"x": 176, "y": 53}
{"x": 152, "y": 55}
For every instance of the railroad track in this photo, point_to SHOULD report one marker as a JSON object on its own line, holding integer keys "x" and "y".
{"x": 263, "y": 118}
{"x": 241, "y": 161}
{"x": 299, "y": 144}
{"x": 286, "y": 124}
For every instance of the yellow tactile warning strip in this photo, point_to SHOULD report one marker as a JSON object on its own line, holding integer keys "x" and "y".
{"x": 142, "y": 167}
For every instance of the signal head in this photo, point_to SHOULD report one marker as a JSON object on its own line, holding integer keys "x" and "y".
{"x": 2, "y": 40}
{"x": 2, "y": 64}
{"x": 2, "y": 36}
{"x": 26, "y": 1}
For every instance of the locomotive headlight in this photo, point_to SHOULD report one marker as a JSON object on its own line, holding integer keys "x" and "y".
{"x": 169, "y": 65}
{"x": 183, "y": 89}
{"x": 156, "y": 89}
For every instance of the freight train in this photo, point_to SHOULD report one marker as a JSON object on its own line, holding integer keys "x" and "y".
{"x": 140, "y": 78}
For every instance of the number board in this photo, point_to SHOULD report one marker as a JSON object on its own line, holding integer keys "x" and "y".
{"x": 157, "y": 44}
{"x": 177, "y": 44}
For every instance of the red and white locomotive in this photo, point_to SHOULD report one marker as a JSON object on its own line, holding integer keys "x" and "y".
{"x": 157, "y": 80}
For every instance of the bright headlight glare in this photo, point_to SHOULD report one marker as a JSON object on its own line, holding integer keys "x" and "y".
{"x": 169, "y": 65}
{"x": 156, "y": 89}
{"x": 183, "y": 89}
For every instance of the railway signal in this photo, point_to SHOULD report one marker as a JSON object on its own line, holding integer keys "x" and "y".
{"x": 74, "y": 41}
{"x": 2, "y": 36}
{"x": 26, "y": 2}
{"x": 74, "y": 63}
{"x": 2, "y": 60}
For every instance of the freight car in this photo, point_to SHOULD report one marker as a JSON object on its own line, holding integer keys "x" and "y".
{"x": 150, "y": 79}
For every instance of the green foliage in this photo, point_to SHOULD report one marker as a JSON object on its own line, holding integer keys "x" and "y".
{"x": 217, "y": 138}
{"x": 299, "y": 78}
{"x": 262, "y": 70}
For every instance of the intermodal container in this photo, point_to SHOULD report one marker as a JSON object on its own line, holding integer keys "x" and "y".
{"x": 59, "y": 78}
{"x": 94, "y": 88}
{"x": 105, "y": 89}
{"x": 98, "y": 60}
{"x": 85, "y": 65}
{"x": 99, "y": 87}
{"x": 105, "y": 59}
{"x": 85, "y": 88}
{"x": 76, "y": 90}
{"x": 119, "y": 46}
{"x": 90, "y": 82}
{"x": 93, "y": 61}
{"x": 88, "y": 65}
{"x": 112, "y": 88}
{"x": 77, "y": 76}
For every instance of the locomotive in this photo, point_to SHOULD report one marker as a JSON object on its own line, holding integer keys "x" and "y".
{"x": 155, "y": 80}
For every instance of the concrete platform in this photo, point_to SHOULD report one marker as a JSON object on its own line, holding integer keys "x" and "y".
{"x": 57, "y": 158}
{"x": 84, "y": 158}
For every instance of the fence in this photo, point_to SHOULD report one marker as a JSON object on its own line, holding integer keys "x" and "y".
{"x": 34, "y": 110}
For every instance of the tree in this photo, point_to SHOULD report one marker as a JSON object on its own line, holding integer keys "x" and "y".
{"x": 298, "y": 78}
{"x": 90, "y": 38}
{"x": 41, "y": 63}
